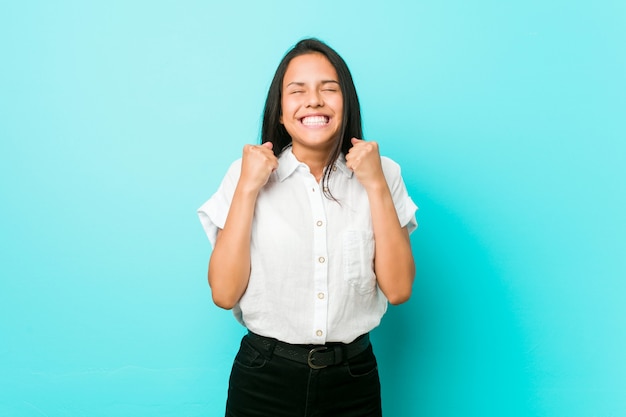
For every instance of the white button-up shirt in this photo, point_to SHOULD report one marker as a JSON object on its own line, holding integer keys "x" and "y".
{"x": 312, "y": 276}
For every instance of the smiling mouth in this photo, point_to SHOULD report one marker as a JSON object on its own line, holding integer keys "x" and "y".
{"x": 315, "y": 120}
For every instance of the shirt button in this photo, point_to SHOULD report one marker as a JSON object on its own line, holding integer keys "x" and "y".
{"x": 319, "y": 223}
{"x": 319, "y": 332}
{"x": 320, "y": 295}
{"x": 325, "y": 189}
{"x": 321, "y": 259}
{"x": 334, "y": 168}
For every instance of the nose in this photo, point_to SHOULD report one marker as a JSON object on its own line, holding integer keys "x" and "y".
{"x": 315, "y": 99}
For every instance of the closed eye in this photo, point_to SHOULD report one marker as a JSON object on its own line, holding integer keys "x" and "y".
{"x": 330, "y": 85}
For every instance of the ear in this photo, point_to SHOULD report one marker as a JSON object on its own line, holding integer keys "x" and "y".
{"x": 280, "y": 119}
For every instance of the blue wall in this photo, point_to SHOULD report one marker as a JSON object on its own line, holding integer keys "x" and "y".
{"x": 119, "y": 118}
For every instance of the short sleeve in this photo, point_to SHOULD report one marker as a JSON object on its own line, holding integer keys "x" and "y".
{"x": 405, "y": 207}
{"x": 214, "y": 211}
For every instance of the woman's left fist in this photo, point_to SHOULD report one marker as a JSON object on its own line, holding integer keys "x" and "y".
{"x": 364, "y": 160}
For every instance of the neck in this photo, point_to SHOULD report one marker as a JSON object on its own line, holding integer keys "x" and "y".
{"x": 315, "y": 160}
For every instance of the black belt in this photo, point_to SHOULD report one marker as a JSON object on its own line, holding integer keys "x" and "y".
{"x": 316, "y": 356}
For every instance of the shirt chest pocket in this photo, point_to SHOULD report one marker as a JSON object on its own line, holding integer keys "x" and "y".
{"x": 358, "y": 260}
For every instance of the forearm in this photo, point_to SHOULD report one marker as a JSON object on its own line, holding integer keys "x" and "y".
{"x": 393, "y": 259}
{"x": 229, "y": 267}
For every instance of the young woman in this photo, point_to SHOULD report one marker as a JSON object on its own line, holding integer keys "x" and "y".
{"x": 310, "y": 234}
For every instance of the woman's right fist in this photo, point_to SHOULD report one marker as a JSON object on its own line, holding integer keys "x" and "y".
{"x": 258, "y": 163}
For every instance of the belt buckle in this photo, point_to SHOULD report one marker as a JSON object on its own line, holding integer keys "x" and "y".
{"x": 310, "y": 357}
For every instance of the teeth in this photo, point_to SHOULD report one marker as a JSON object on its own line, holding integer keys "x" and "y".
{"x": 315, "y": 120}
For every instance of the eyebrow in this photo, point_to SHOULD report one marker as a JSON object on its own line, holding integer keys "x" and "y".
{"x": 300, "y": 83}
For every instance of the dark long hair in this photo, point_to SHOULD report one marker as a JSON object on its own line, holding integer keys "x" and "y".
{"x": 274, "y": 131}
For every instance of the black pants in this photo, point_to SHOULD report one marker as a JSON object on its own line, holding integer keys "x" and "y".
{"x": 265, "y": 385}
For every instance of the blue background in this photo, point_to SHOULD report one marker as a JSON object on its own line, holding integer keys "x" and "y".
{"x": 118, "y": 119}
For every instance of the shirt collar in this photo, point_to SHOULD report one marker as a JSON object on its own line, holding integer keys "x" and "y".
{"x": 341, "y": 166}
{"x": 288, "y": 163}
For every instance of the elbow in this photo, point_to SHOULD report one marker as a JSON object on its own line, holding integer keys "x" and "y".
{"x": 401, "y": 291}
{"x": 399, "y": 297}
{"x": 223, "y": 297}
{"x": 227, "y": 303}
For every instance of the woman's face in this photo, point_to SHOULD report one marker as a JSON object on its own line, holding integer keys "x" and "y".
{"x": 312, "y": 103}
